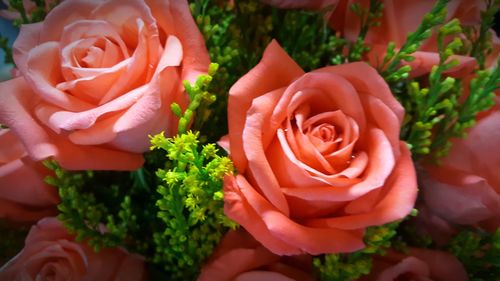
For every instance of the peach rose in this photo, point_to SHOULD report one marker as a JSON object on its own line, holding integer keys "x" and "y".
{"x": 240, "y": 257}
{"x": 318, "y": 155}
{"x": 418, "y": 265}
{"x": 24, "y": 197}
{"x": 98, "y": 76}
{"x": 468, "y": 177}
{"x": 50, "y": 253}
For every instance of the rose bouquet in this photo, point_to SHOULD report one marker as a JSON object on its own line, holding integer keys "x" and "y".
{"x": 250, "y": 140}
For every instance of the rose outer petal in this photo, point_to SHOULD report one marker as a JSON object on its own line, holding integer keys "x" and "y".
{"x": 274, "y": 71}
{"x": 172, "y": 14}
{"x": 272, "y": 228}
{"x": 16, "y": 101}
{"x": 397, "y": 201}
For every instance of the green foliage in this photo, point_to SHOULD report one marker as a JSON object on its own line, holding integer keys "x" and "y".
{"x": 368, "y": 18}
{"x": 481, "y": 39}
{"x": 479, "y": 253}
{"x": 191, "y": 204}
{"x": 95, "y": 207}
{"x": 236, "y": 37}
{"x": 35, "y": 15}
{"x": 234, "y": 47}
{"x": 200, "y": 98}
{"x": 306, "y": 38}
{"x": 437, "y": 113}
{"x": 345, "y": 267}
{"x": 4, "y": 45}
{"x": 391, "y": 69}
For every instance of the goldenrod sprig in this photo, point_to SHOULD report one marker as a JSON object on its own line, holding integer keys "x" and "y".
{"x": 191, "y": 204}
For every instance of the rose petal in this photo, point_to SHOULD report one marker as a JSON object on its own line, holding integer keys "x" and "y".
{"x": 254, "y": 134}
{"x": 424, "y": 61}
{"x": 364, "y": 84}
{"x": 170, "y": 15}
{"x": 278, "y": 227}
{"x": 63, "y": 14}
{"x": 478, "y": 201}
{"x": 238, "y": 209}
{"x": 27, "y": 40}
{"x": 43, "y": 77}
{"x": 262, "y": 275}
{"x": 16, "y": 103}
{"x": 398, "y": 199}
{"x": 442, "y": 265}
{"x": 274, "y": 71}
{"x": 474, "y": 153}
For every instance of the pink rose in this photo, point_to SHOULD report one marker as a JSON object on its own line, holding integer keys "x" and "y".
{"x": 50, "y": 253}
{"x": 240, "y": 257}
{"x": 98, "y": 77}
{"x": 417, "y": 265}
{"x": 428, "y": 223}
{"x": 24, "y": 197}
{"x": 465, "y": 189}
{"x": 318, "y": 155}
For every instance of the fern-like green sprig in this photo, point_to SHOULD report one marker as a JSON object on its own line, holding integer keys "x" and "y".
{"x": 437, "y": 113}
{"x": 369, "y": 18}
{"x": 89, "y": 217}
{"x": 479, "y": 252}
{"x": 391, "y": 69}
{"x": 481, "y": 45}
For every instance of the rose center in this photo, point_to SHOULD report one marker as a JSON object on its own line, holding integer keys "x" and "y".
{"x": 48, "y": 272}
{"x": 326, "y": 133}
{"x": 98, "y": 53}
{"x": 324, "y": 141}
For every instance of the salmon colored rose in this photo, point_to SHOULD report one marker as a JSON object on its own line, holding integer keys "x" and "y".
{"x": 417, "y": 265}
{"x": 98, "y": 76}
{"x": 50, "y": 253}
{"x": 468, "y": 177}
{"x": 240, "y": 257}
{"x": 318, "y": 155}
{"x": 24, "y": 197}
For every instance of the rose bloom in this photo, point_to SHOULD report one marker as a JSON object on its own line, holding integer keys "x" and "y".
{"x": 239, "y": 257}
{"x": 468, "y": 177}
{"x": 50, "y": 253}
{"x": 24, "y": 197}
{"x": 98, "y": 76}
{"x": 318, "y": 155}
{"x": 417, "y": 265}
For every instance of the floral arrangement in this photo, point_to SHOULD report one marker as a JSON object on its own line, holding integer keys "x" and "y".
{"x": 250, "y": 140}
